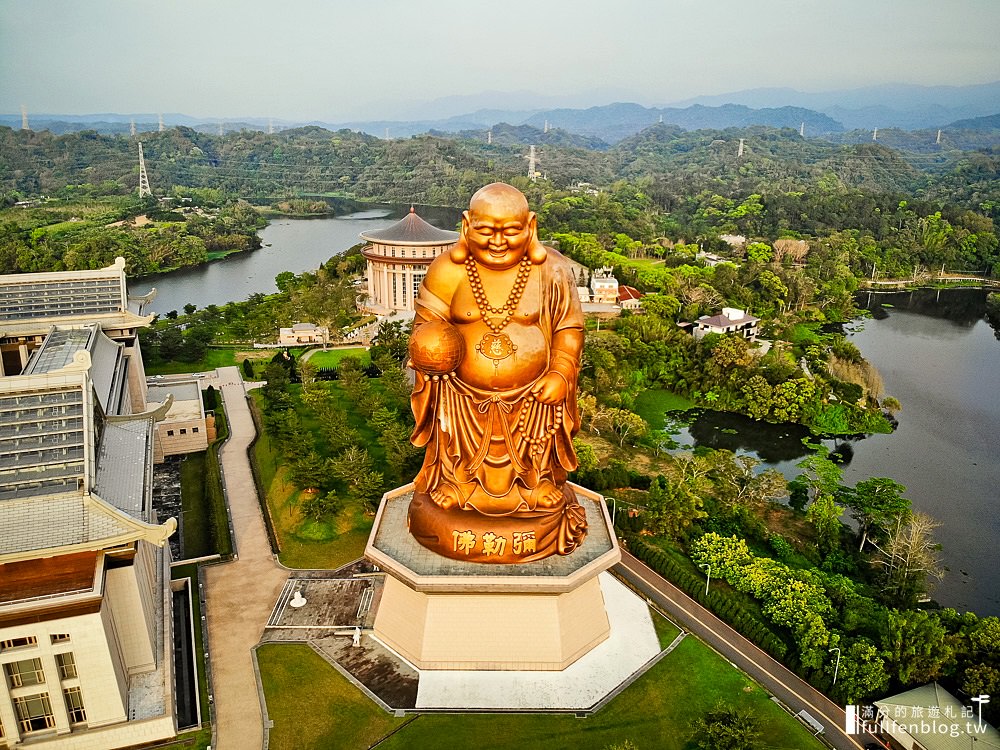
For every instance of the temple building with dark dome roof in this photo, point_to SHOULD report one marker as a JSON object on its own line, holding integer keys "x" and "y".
{"x": 398, "y": 257}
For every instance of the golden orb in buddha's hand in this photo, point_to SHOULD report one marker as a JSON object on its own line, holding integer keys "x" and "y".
{"x": 436, "y": 348}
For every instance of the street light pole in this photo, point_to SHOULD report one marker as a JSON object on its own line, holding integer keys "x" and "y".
{"x": 708, "y": 580}
{"x": 836, "y": 667}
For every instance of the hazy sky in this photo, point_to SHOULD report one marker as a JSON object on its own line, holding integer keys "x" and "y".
{"x": 336, "y": 60}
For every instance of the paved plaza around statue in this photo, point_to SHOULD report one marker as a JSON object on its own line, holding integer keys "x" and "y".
{"x": 337, "y": 602}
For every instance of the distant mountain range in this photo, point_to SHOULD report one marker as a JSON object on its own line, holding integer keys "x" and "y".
{"x": 905, "y": 107}
{"x": 893, "y": 105}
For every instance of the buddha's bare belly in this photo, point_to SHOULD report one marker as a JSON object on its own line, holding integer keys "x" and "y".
{"x": 513, "y": 358}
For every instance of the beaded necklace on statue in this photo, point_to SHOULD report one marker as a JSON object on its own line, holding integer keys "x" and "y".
{"x": 497, "y": 345}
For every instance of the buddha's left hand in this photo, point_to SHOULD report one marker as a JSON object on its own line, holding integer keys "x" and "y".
{"x": 550, "y": 389}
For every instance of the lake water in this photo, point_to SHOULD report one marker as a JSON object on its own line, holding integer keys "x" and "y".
{"x": 940, "y": 358}
{"x": 294, "y": 245}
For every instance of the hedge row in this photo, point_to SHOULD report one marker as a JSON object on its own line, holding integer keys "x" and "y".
{"x": 719, "y": 602}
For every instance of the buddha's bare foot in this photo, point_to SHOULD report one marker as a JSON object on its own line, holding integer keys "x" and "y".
{"x": 547, "y": 496}
{"x": 446, "y": 495}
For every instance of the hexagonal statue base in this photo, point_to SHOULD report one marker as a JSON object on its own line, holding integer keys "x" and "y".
{"x": 440, "y": 613}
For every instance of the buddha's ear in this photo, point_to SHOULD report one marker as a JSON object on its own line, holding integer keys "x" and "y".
{"x": 536, "y": 250}
{"x": 459, "y": 252}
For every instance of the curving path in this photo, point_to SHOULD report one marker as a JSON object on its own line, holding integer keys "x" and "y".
{"x": 239, "y": 594}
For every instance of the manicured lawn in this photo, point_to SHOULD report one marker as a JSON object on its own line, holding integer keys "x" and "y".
{"x": 666, "y": 631}
{"x": 206, "y": 518}
{"x": 652, "y": 404}
{"x": 655, "y": 712}
{"x": 213, "y": 358}
{"x": 197, "y": 532}
{"x": 313, "y": 706}
{"x": 307, "y": 544}
{"x": 332, "y": 357}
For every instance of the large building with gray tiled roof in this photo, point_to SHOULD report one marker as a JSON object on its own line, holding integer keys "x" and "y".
{"x": 86, "y": 648}
{"x": 398, "y": 257}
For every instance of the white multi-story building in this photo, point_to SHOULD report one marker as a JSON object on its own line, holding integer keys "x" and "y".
{"x": 86, "y": 645}
{"x": 604, "y": 286}
{"x": 398, "y": 258}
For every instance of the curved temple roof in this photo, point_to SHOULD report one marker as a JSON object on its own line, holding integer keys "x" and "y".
{"x": 411, "y": 230}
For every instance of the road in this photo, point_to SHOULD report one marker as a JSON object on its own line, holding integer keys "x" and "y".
{"x": 786, "y": 686}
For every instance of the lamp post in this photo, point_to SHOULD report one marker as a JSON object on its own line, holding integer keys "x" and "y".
{"x": 708, "y": 572}
{"x": 836, "y": 667}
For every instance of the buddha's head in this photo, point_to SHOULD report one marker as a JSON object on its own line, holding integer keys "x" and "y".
{"x": 498, "y": 229}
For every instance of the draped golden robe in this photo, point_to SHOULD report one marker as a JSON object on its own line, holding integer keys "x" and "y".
{"x": 490, "y": 445}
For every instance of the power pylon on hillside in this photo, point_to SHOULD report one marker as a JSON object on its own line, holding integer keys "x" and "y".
{"x": 144, "y": 190}
{"x": 24, "y": 118}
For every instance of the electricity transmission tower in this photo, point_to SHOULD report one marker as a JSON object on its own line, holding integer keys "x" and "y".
{"x": 739, "y": 153}
{"x": 162, "y": 128}
{"x": 531, "y": 163}
{"x": 131, "y": 127}
{"x": 24, "y": 118}
{"x": 144, "y": 190}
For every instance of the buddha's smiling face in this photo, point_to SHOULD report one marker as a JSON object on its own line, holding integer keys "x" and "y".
{"x": 498, "y": 227}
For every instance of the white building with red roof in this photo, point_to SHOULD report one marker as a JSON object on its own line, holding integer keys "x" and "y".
{"x": 629, "y": 298}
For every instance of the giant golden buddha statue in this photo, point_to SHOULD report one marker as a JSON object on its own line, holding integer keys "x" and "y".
{"x": 496, "y": 347}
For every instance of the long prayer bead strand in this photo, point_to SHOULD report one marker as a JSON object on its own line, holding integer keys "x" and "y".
{"x": 508, "y": 307}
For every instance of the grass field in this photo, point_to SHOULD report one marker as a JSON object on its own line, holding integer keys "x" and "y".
{"x": 656, "y": 712}
{"x": 338, "y": 715}
{"x": 332, "y": 357}
{"x": 197, "y": 532}
{"x": 213, "y": 358}
{"x": 653, "y": 403}
{"x": 666, "y": 631}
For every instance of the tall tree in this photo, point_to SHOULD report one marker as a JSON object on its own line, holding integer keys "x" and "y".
{"x": 877, "y": 504}
{"x": 909, "y": 558}
{"x": 917, "y": 647}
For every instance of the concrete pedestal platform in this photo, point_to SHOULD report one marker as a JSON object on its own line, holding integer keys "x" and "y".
{"x": 632, "y": 643}
{"x": 441, "y": 613}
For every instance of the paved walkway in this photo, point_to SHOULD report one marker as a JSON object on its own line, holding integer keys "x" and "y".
{"x": 239, "y": 594}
